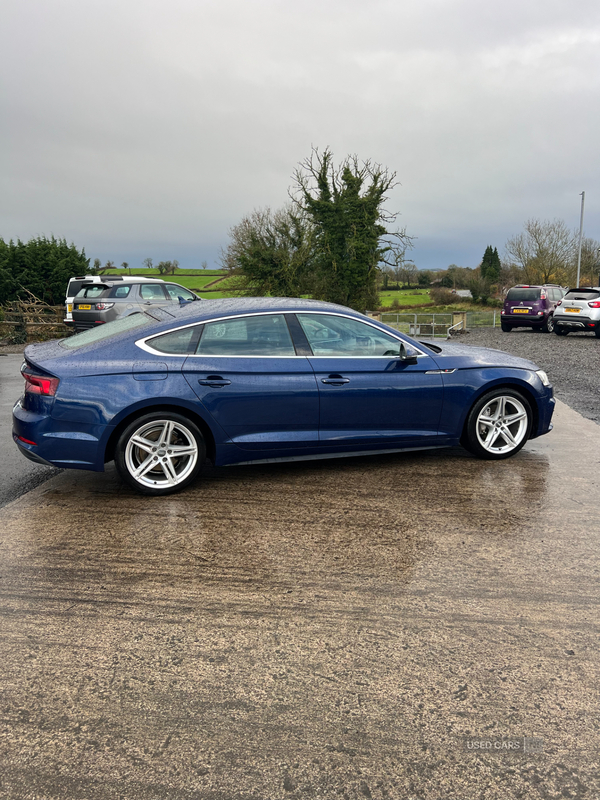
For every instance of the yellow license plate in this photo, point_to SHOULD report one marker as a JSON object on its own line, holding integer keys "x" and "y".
{"x": 515, "y": 310}
{"x": 573, "y": 310}
{"x": 69, "y": 307}
{"x": 84, "y": 308}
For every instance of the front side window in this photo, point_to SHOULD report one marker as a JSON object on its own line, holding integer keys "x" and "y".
{"x": 175, "y": 292}
{"x": 151, "y": 291}
{"x": 330, "y": 335}
{"x": 259, "y": 335}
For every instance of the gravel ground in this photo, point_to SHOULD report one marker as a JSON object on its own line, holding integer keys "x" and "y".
{"x": 570, "y": 361}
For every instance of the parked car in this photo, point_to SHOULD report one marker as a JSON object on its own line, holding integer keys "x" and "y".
{"x": 104, "y": 301}
{"x": 261, "y": 379}
{"x": 579, "y": 310}
{"x": 73, "y": 288}
{"x": 531, "y": 307}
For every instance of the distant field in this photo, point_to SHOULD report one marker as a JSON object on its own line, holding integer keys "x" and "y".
{"x": 214, "y": 272}
{"x": 190, "y": 278}
{"x": 405, "y": 298}
{"x": 214, "y": 295}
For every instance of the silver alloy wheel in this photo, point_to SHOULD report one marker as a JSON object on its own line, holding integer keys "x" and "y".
{"x": 502, "y": 424}
{"x": 161, "y": 453}
{"x": 550, "y": 324}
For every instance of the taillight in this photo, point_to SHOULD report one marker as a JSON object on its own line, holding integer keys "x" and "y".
{"x": 594, "y": 304}
{"x": 559, "y": 303}
{"x": 103, "y": 306}
{"x": 40, "y": 384}
{"x": 27, "y": 441}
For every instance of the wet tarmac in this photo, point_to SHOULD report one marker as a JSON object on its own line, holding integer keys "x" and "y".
{"x": 419, "y": 626}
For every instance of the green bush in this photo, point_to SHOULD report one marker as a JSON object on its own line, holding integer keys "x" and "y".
{"x": 444, "y": 297}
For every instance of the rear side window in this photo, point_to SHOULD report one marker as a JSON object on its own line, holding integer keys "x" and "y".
{"x": 582, "y": 294}
{"x": 120, "y": 291}
{"x": 95, "y": 290}
{"x": 262, "y": 335}
{"x": 177, "y": 343}
{"x": 523, "y": 294}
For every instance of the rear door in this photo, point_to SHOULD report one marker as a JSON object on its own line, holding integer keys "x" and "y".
{"x": 247, "y": 375}
{"x": 152, "y": 294}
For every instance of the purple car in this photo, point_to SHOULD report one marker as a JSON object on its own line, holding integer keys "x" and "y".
{"x": 531, "y": 307}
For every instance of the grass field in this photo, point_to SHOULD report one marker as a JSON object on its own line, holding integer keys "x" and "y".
{"x": 408, "y": 298}
{"x": 190, "y": 278}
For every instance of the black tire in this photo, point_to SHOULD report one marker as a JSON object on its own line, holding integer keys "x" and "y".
{"x": 155, "y": 453}
{"x": 506, "y": 327}
{"x": 597, "y": 332}
{"x": 560, "y": 331}
{"x": 488, "y": 434}
{"x": 548, "y": 325}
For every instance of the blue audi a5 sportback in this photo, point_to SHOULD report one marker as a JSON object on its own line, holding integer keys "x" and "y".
{"x": 264, "y": 379}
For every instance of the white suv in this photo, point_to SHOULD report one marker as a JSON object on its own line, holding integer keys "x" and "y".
{"x": 579, "y": 310}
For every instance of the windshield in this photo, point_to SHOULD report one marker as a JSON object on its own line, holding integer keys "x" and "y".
{"x": 523, "y": 294}
{"x": 106, "y": 331}
{"x": 92, "y": 290}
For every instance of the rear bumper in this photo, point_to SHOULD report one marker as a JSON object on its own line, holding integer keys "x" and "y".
{"x": 57, "y": 444}
{"x": 575, "y": 322}
{"x": 524, "y": 320}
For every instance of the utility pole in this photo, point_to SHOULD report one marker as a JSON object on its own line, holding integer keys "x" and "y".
{"x": 580, "y": 237}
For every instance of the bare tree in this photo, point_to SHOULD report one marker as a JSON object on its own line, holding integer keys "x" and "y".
{"x": 544, "y": 251}
{"x": 147, "y": 262}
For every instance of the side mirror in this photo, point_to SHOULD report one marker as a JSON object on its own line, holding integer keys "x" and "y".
{"x": 405, "y": 357}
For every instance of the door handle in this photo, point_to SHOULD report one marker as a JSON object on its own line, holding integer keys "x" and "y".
{"x": 335, "y": 380}
{"x": 216, "y": 381}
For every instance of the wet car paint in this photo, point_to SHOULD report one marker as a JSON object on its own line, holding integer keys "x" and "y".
{"x": 101, "y": 387}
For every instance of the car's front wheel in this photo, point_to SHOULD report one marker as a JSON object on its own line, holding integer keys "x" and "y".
{"x": 499, "y": 424}
{"x": 160, "y": 453}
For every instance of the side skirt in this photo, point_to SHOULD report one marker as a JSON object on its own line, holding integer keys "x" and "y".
{"x": 322, "y": 456}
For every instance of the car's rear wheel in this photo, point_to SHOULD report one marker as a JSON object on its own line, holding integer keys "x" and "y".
{"x": 499, "y": 424}
{"x": 160, "y": 453}
{"x": 548, "y": 325}
{"x": 597, "y": 331}
{"x": 560, "y": 331}
{"x": 506, "y": 327}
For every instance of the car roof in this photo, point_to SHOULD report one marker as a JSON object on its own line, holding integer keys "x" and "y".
{"x": 232, "y": 306}
{"x": 124, "y": 281}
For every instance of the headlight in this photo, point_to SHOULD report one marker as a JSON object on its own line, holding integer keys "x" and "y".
{"x": 543, "y": 377}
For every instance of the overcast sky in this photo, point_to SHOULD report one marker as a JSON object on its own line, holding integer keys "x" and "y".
{"x": 142, "y": 128}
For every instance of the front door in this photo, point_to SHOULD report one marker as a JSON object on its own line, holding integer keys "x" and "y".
{"x": 368, "y": 395}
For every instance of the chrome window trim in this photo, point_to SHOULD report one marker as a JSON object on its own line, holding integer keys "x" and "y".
{"x": 142, "y": 343}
